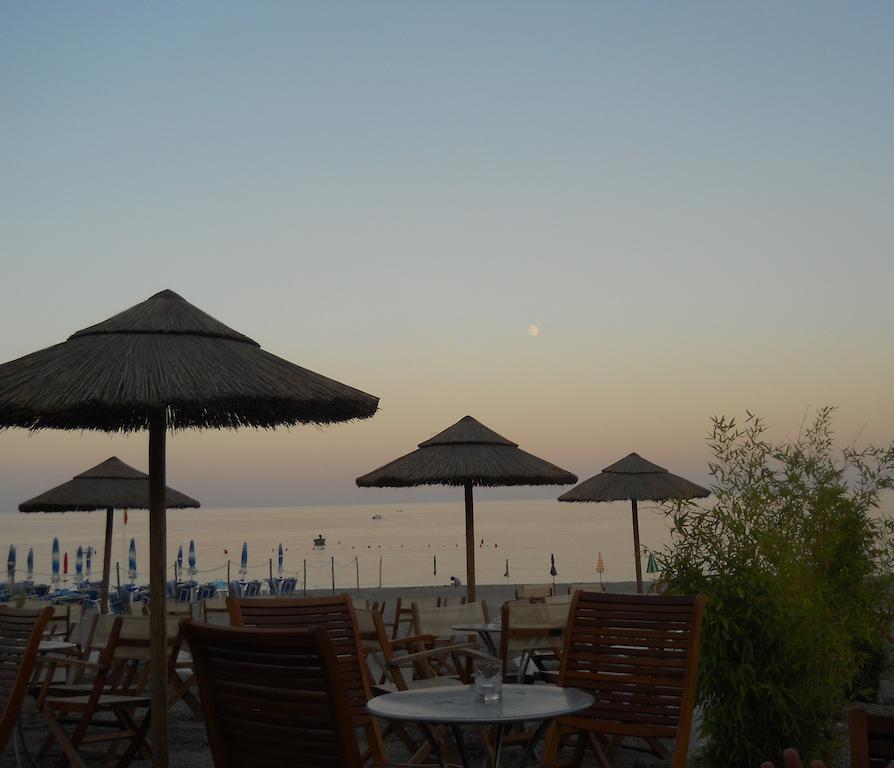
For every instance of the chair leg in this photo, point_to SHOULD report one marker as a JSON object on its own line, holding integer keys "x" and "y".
{"x": 69, "y": 753}
{"x": 138, "y": 741}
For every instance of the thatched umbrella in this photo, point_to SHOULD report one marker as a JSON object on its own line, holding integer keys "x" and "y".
{"x": 110, "y": 485}
{"x": 467, "y": 454}
{"x": 635, "y": 479}
{"x": 164, "y": 364}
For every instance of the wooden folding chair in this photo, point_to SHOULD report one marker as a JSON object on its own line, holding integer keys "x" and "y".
{"x": 403, "y": 612}
{"x": 118, "y": 674}
{"x": 21, "y": 631}
{"x": 336, "y": 616}
{"x": 638, "y": 656}
{"x": 872, "y": 739}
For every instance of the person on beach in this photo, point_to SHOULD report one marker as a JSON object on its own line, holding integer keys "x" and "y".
{"x": 455, "y": 582}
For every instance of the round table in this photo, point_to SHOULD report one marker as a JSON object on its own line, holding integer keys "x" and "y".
{"x": 485, "y": 632}
{"x": 457, "y": 705}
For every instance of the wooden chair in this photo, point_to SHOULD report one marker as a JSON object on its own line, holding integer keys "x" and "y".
{"x": 273, "y": 697}
{"x": 62, "y": 621}
{"x": 403, "y": 612}
{"x": 439, "y": 621}
{"x": 336, "y": 616}
{"x": 638, "y": 656}
{"x": 532, "y": 634}
{"x": 215, "y": 611}
{"x": 536, "y": 591}
{"x": 118, "y": 674}
{"x": 21, "y": 630}
{"x": 872, "y": 739}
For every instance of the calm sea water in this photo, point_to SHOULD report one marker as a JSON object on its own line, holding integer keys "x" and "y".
{"x": 406, "y": 539}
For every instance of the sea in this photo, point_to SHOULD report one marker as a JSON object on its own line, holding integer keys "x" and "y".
{"x": 418, "y": 544}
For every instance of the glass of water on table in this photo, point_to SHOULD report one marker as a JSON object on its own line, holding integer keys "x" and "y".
{"x": 488, "y": 680}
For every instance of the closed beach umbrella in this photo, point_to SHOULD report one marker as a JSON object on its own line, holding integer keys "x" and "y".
{"x": 79, "y": 561}
{"x": 552, "y": 566}
{"x": 30, "y": 563}
{"x": 55, "y": 561}
{"x": 11, "y": 564}
{"x": 280, "y": 558}
{"x": 180, "y": 560}
{"x": 132, "y": 561}
{"x": 164, "y": 364}
{"x": 651, "y": 564}
{"x": 635, "y": 479}
{"x": 88, "y": 564}
{"x": 243, "y": 563}
{"x": 65, "y": 564}
{"x": 192, "y": 558}
{"x": 467, "y": 454}
{"x": 110, "y": 485}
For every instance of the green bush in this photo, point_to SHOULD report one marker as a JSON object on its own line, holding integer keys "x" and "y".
{"x": 798, "y": 577}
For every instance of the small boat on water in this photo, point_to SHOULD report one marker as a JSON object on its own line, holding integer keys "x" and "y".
{"x": 319, "y": 541}
{"x": 377, "y": 516}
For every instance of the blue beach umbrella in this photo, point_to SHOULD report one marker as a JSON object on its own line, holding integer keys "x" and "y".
{"x": 55, "y": 561}
{"x": 88, "y": 561}
{"x": 192, "y": 557}
{"x": 243, "y": 567}
{"x": 280, "y": 557}
{"x": 132, "y": 561}
{"x": 79, "y": 562}
{"x": 31, "y": 564}
{"x": 11, "y": 563}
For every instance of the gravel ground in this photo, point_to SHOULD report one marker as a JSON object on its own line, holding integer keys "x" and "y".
{"x": 189, "y": 748}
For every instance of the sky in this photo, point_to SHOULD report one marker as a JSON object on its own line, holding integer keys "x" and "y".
{"x": 692, "y": 202}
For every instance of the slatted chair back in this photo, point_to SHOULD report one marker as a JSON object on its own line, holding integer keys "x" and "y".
{"x": 439, "y": 621}
{"x": 335, "y": 615}
{"x": 872, "y": 739}
{"x": 403, "y": 612}
{"x": 59, "y": 625}
{"x": 272, "y": 697}
{"x": 21, "y": 630}
{"x": 638, "y": 656}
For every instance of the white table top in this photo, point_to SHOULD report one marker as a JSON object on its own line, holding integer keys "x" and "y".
{"x": 458, "y": 704}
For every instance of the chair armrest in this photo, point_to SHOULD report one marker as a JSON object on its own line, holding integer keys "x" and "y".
{"x": 468, "y": 649}
{"x": 413, "y": 639}
{"x": 68, "y": 661}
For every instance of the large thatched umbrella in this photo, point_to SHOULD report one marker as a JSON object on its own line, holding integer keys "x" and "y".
{"x": 164, "y": 364}
{"x": 110, "y": 485}
{"x": 467, "y": 454}
{"x": 635, "y": 479}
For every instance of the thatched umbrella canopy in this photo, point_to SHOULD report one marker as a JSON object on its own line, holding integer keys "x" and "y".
{"x": 635, "y": 479}
{"x": 467, "y": 454}
{"x": 110, "y": 485}
{"x": 166, "y": 364}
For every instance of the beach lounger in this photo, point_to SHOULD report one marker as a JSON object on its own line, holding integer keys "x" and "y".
{"x": 638, "y": 656}
{"x": 534, "y": 591}
{"x": 21, "y": 630}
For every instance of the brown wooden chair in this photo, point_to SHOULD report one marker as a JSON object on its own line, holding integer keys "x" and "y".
{"x": 638, "y": 656}
{"x": 335, "y": 615}
{"x": 118, "y": 677}
{"x": 273, "y": 697}
{"x": 872, "y": 739}
{"x": 403, "y": 612}
{"x": 532, "y": 636}
{"x": 21, "y": 630}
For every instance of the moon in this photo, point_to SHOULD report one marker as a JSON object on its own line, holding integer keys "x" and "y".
{"x": 533, "y": 330}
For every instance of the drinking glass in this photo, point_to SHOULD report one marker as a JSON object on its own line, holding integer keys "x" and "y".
{"x": 488, "y": 677}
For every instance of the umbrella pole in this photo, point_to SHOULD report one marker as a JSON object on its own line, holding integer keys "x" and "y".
{"x": 157, "y": 551}
{"x": 107, "y": 561}
{"x": 470, "y": 543}
{"x": 639, "y": 565}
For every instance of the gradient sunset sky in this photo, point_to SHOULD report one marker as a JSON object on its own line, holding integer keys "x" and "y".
{"x": 693, "y": 202}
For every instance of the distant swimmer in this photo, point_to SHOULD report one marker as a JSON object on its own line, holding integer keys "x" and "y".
{"x": 455, "y": 582}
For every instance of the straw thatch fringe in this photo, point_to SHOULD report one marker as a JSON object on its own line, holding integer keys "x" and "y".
{"x": 110, "y": 484}
{"x": 467, "y": 451}
{"x": 635, "y": 478}
{"x": 167, "y": 355}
